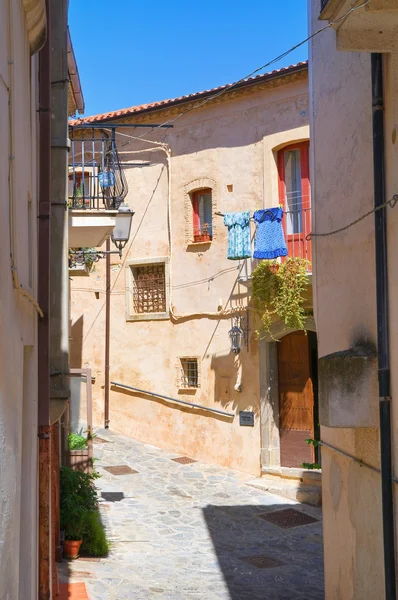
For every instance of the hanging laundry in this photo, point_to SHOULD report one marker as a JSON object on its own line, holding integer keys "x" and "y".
{"x": 238, "y": 235}
{"x": 270, "y": 240}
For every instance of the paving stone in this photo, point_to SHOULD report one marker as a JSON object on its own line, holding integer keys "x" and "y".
{"x": 180, "y": 533}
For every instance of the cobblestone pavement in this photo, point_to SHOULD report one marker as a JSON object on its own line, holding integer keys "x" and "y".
{"x": 180, "y": 532}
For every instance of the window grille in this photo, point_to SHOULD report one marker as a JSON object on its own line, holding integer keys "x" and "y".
{"x": 149, "y": 289}
{"x": 189, "y": 373}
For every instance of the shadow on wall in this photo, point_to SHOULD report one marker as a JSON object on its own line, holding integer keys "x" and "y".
{"x": 76, "y": 345}
{"x": 226, "y": 375}
{"x": 261, "y": 560}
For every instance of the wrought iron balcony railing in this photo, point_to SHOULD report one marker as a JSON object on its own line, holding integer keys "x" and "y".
{"x": 96, "y": 180}
{"x": 297, "y": 226}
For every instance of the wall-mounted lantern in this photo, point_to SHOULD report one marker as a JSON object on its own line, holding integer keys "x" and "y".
{"x": 121, "y": 231}
{"x": 236, "y": 338}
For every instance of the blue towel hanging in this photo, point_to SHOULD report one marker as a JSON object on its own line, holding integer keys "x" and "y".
{"x": 106, "y": 179}
{"x": 270, "y": 240}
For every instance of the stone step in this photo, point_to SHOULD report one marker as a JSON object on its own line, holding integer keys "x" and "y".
{"x": 306, "y": 476}
{"x": 291, "y": 489}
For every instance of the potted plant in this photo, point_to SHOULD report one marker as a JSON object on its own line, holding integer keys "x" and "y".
{"x": 204, "y": 234}
{"x": 78, "y": 498}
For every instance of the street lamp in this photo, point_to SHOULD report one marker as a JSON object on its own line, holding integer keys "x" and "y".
{"x": 121, "y": 231}
{"x": 236, "y": 337}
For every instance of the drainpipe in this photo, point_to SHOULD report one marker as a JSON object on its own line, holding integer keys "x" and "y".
{"x": 59, "y": 280}
{"x": 383, "y": 326}
{"x": 107, "y": 330}
{"x": 44, "y": 222}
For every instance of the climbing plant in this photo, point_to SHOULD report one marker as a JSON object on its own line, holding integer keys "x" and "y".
{"x": 278, "y": 290}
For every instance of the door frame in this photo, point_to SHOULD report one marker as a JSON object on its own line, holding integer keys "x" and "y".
{"x": 269, "y": 391}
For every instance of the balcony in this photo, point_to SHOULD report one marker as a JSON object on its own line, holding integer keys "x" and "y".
{"x": 360, "y": 31}
{"x": 297, "y": 226}
{"x": 96, "y": 186}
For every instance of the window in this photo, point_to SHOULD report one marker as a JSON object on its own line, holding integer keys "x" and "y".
{"x": 189, "y": 373}
{"x": 202, "y": 215}
{"x": 294, "y": 195}
{"x": 79, "y": 188}
{"x": 147, "y": 289}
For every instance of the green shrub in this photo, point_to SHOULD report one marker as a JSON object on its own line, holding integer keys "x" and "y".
{"x": 78, "y": 496}
{"x": 94, "y": 538}
{"x": 77, "y": 441}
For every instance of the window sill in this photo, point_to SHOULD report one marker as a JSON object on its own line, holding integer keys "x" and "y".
{"x": 148, "y": 317}
{"x": 203, "y": 243}
{"x": 187, "y": 390}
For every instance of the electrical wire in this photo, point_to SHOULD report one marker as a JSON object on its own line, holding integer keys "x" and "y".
{"x": 391, "y": 203}
{"x": 231, "y": 86}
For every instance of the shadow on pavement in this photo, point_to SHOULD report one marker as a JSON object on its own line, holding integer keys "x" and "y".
{"x": 263, "y": 561}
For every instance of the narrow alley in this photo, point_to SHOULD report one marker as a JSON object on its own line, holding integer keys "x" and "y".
{"x": 195, "y": 531}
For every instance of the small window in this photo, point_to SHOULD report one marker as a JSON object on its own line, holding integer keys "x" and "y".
{"x": 149, "y": 289}
{"x": 189, "y": 375}
{"x": 202, "y": 215}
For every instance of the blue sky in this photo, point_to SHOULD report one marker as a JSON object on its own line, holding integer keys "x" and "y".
{"x": 131, "y": 52}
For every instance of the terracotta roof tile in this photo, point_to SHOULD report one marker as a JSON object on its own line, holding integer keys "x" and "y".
{"x": 126, "y": 112}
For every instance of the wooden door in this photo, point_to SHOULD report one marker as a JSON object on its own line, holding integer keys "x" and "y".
{"x": 296, "y": 400}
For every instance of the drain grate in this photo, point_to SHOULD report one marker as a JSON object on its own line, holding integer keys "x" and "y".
{"x": 120, "y": 470}
{"x": 83, "y": 574}
{"x": 112, "y": 496}
{"x": 263, "y": 562}
{"x": 184, "y": 460}
{"x": 98, "y": 440}
{"x": 288, "y": 518}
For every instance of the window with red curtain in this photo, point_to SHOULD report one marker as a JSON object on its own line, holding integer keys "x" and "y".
{"x": 202, "y": 215}
{"x": 294, "y": 195}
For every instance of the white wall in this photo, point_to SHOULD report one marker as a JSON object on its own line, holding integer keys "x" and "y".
{"x": 18, "y": 318}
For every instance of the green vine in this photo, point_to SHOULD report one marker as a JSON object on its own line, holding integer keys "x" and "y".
{"x": 314, "y": 465}
{"x": 278, "y": 290}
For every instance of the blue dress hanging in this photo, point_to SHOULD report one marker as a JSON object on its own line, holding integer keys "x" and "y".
{"x": 238, "y": 235}
{"x": 270, "y": 240}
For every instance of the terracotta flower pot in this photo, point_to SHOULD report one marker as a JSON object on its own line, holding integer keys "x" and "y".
{"x": 205, "y": 237}
{"x": 71, "y": 548}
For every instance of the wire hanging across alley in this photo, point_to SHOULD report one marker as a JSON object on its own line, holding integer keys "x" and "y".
{"x": 391, "y": 203}
{"x": 231, "y": 86}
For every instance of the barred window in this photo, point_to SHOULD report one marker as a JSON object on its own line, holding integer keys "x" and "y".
{"x": 149, "y": 289}
{"x": 189, "y": 373}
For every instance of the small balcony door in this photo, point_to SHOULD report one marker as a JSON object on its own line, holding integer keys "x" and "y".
{"x": 294, "y": 195}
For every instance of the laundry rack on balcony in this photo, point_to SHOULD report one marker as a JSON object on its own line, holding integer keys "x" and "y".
{"x": 96, "y": 176}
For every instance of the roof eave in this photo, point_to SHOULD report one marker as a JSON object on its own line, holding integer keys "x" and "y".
{"x": 74, "y": 77}
{"x": 300, "y": 67}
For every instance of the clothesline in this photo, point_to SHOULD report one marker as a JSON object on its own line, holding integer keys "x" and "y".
{"x": 269, "y": 242}
{"x": 267, "y": 210}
